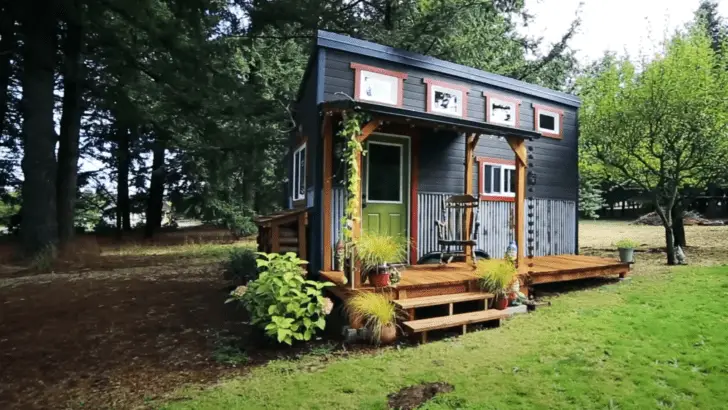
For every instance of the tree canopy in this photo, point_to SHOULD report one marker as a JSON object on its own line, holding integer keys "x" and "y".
{"x": 662, "y": 126}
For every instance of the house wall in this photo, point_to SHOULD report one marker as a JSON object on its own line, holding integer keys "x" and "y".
{"x": 442, "y": 154}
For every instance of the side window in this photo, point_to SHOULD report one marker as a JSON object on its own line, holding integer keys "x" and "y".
{"x": 298, "y": 184}
{"x": 498, "y": 180}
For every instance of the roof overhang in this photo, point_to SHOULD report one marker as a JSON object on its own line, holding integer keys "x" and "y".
{"x": 426, "y": 119}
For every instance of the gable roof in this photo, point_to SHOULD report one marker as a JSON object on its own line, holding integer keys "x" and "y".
{"x": 352, "y": 45}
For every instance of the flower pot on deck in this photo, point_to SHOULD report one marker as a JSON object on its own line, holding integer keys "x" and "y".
{"x": 626, "y": 255}
{"x": 501, "y": 303}
{"x": 388, "y": 335}
{"x": 379, "y": 280}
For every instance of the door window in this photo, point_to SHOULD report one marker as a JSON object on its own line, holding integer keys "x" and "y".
{"x": 384, "y": 173}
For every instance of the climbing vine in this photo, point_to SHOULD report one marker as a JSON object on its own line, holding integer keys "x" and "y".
{"x": 350, "y": 131}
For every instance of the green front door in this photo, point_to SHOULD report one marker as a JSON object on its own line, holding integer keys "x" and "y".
{"x": 385, "y": 185}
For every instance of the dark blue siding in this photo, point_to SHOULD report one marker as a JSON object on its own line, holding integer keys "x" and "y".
{"x": 442, "y": 155}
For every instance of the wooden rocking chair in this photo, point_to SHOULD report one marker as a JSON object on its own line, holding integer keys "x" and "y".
{"x": 451, "y": 234}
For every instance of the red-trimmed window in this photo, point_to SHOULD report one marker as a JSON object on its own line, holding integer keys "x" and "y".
{"x": 502, "y": 110}
{"x": 548, "y": 121}
{"x": 378, "y": 85}
{"x": 445, "y": 98}
{"x": 298, "y": 181}
{"x": 497, "y": 179}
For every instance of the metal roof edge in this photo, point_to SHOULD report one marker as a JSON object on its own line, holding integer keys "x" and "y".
{"x": 367, "y": 48}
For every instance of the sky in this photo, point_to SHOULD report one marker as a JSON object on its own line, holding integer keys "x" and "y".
{"x": 634, "y": 26}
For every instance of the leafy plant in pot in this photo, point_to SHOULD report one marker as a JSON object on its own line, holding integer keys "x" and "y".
{"x": 626, "y": 250}
{"x": 377, "y": 313}
{"x": 497, "y": 277}
{"x": 375, "y": 251}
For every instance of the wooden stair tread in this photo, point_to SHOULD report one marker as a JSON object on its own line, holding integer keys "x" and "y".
{"x": 442, "y": 299}
{"x": 442, "y": 322}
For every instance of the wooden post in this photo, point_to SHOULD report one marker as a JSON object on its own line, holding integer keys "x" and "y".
{"x": 302, "y": 236}
{"x": 519, "y": 148}
{"x": 366, "y": 131}
{"x": 470, "y": 143}
{"x": 327, "y": 138}
{"x": 275, "y": 240}
{"x": 356, "y": 230}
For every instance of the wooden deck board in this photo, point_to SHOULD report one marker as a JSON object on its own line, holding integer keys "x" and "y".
{"x": 442, "y": 322}
{"x": 442, "y": 299}
{"x": 545, "y": 269}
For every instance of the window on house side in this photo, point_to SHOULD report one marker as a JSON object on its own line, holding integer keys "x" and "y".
{"x": 499, "y": 180}
{"x": 299, "y": 173}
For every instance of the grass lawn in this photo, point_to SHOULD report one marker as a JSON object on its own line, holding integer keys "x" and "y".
{"x": 656, "y": 340}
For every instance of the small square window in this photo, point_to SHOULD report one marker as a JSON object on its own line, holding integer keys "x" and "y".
{"x": 548, "y": 121}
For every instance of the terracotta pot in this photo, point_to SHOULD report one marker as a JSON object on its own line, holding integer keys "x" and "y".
{"x": 388, "y": 335}
{"x": 501, "y": 303}
{"x": 379, "y": 280}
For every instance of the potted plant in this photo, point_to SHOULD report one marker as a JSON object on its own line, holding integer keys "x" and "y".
{"x": 497, "y": 277}
{"x": 378, "y": 314}
{"x": 375, "y": 251}
{"x": 626, "y": 250}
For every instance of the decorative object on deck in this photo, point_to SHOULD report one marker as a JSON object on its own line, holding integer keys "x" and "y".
{"x": 378, "y": 313}
{"x": 282, "y": 302}
{"x": 497, "y": 277}
{"x": 458, "y": 228}
{"x": 376, "y": 252}
{"x": 626, "y": 250}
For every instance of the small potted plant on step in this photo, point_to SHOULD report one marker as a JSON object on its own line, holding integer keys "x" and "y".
{"x": 626, "y": 250}
{"x": 497, "y": 277}
{"x": 378, "y": 314}
{"x": 374, "y": 252}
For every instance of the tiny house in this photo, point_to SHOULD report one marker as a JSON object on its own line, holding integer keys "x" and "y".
{"x": 435, "y": 131}
{"x": 410, "y": 166}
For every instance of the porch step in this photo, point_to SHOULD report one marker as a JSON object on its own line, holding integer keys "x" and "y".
{"x": 422, "y": 326}
{"x": 442, "y": 299}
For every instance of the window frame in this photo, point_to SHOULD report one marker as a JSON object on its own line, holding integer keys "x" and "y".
{"x": 296, "y": 196}
{"x": 515, "y": 101}
{"x": 396, "y": 76}
{"x": 433, "y": 84}
{"x": 558, "y": 116}
{"x": 503, "y": 165}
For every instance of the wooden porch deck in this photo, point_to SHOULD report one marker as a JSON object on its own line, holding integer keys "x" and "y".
{"x": 456, "y": 278}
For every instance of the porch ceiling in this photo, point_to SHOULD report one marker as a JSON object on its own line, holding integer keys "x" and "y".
{"x": 426, "y": 119}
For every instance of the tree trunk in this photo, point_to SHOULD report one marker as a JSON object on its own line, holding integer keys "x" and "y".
{"x": 70, "y": 124}
{"x": 678, "y": 225}
{"x": 123, "y": 208}
{"x": 7, "y": 46}
{"x": 155, "y": 201}
{"x": 670, "y": 246}
{"x": 39, "y": 226}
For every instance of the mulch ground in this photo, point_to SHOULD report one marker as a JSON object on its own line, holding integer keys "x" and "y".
{"x": 101, "y": 343}
{"x": 119, "y": 339}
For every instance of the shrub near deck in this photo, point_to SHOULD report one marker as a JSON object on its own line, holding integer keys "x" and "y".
{"x": 653, "y": 341}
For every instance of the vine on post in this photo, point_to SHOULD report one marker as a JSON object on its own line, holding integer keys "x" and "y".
{"x": 350, "y": 131}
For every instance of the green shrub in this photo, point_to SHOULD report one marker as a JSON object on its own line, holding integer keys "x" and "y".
{"x": 496, "y": 276}
{"x": 241, "y": 267}
{"x": 626, "y": 244}
{"x": 374, "y": 250}
{"x": 375, "y": 309}
{"x": 281, "y": 301}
